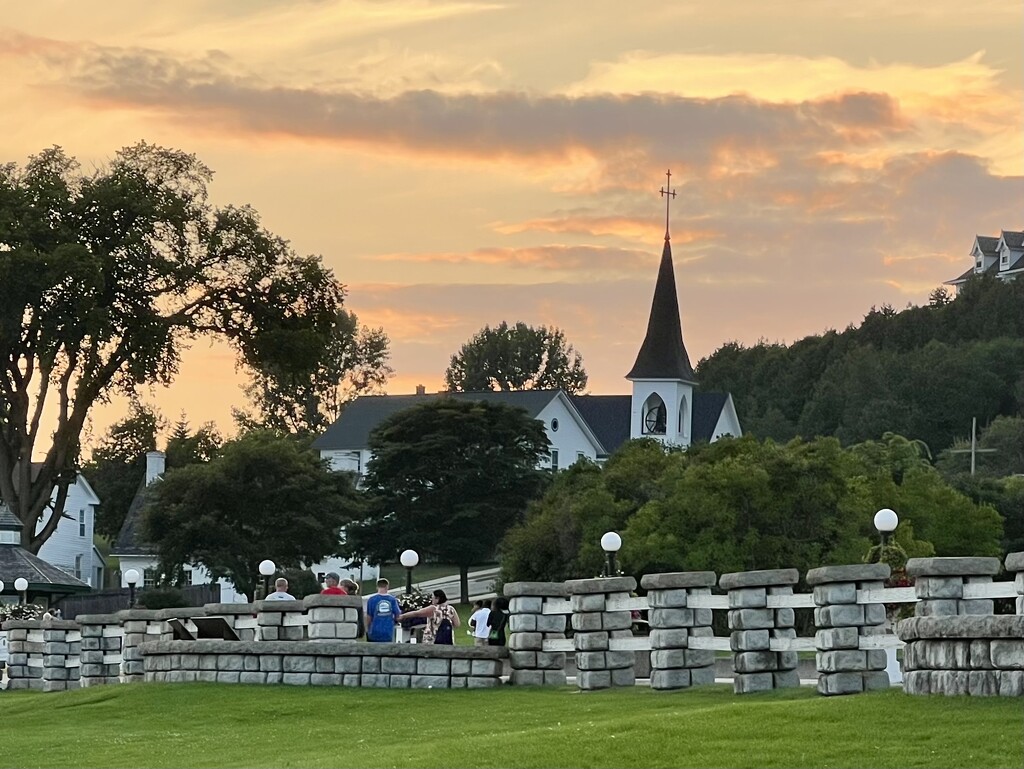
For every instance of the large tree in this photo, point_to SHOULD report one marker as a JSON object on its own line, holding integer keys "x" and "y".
{"x": 304, "y": 386}
{"x": 519, "y": 357}
{"x": 265, "y": 496}
{"x": 448, "y": 479}
{"x": 105, "y": 277}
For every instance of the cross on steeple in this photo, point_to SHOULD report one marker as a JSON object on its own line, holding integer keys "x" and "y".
{"x": 668, "y": 193}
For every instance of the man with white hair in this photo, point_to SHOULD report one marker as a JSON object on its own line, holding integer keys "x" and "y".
{"x": 280, "y": 591}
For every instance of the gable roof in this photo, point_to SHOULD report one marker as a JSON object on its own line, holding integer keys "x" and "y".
{"x": 987, "y": 244}
{"x": 351, "y": 431}
{"x": 608, "y": 417}
{"x": 1012, "y": 239}
{"x": 663, "y": 355}
{"x": 16, "y": 561}
{"x": 129, "y": 538}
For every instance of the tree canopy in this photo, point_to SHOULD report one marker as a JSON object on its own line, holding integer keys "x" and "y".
{"x": 264, "y": 496}
{"x": 105, "y": 277}
{"x": 448, "y": 478}
{"x": 519, "y": 357}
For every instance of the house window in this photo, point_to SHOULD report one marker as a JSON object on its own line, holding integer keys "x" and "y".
{"x": 81, "y": 523}
{"x": 554, "y": 425}
{"x": 978, "y": 264}
{"x": 78, "y": 566}
{"x": 580, "y": 456}
{"x": 150, "y": 577}
{"x": 683, "y": 411}
{"x": 654, "y": 416}
{"x": 554, "y": 459}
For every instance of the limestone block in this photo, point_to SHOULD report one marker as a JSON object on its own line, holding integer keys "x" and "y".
{"x": 762, "y": 578}
{"x": 751, "y": 619}
{"x": 551, "y": 660}
{"x": 754, "y": 662}
{"x": 667, "y": 599}
{"x": 554, "y": 678}
{"x": 269, "y": 633}
{"x": 1007, "y": 654}
{"x": 839, "y": 615}
{"x": 299, "y": 663}
{"x": 749, "y": 640}
{"x": 876, "y": 681}
{"x": 744, "y": 683}
{"x": 670, "y": 618}
{"x": 233, "y": 677}
{"x": 620, "y": 659}
{"x": 874, "y": 614}
{"x": 983, "y": 683}
{"x": 1011, "y": 683}
{"x": 350, "y": 679}
{"x": 533, "y": 589}
{"x": 601, "y": 585}
{"x": 328, "y": 614}
{"x": 263, "y": 619}
{"x": 252, "y": 677}
{"x": 617, "y": 620}
{"x": 684, "y": 579}
{"x": 523, "y": 623}
{"x": 936, "y": 654}
{"x": 842, "y": 661}
{"x": 228, "y": 661}
{"x": 526, "y": 641}
{"x": 208, "y": 676}
{"x": 748, "y": 598}
{"x": 831, "y": 684}
{"x": 374, "y": 680}
{"x": 91, "y": 644}
{"x": 433, "y": 667}
{"x": 785, "y": 618}
{"x": 787, "y": 660}
{"x": 702, "y": 676}
{"x": 591, "y": 660}
{"x": 551, "y": 623}
{"x": 594, "y": 679}
{"x": 486, "y": 668}
{"x": 952, "y": 567}
{"x": 463, "y": 667}
{"x": 398, "y": 681}
{"x": 482, "y": 682}
{"x": 323, "y": 631}
{"x": 526, "y": 604}
{"x": 786, "y": 679}
{"x": 585, "y": 642}
{"x": 587, "y": 602}
{"x": 209, "y": 661}
{"x": 980, "y": 656}
{"x": 939, "y": 587}
{"x": 527, "y": 678}
{"x": 676, "y": 638}
{"x": 623, "y": 676}
{"x": 875, "y": 659}
{"x": 675, "y": 678}
{"x": 950, "y": 682}
{"x": 979, "y": 606}
{"x": 398, "y": 665}
{"x": 293, "y": 633}
{"x": 518, "y": 660}
{"x": 587, "y": 622}
{"x": 860, "y": 572}
{"x": 456, "y": 682}
{"x": 836, "y": 592}
{"x": 270, "y": 664}
{"x": 430, "y": 681}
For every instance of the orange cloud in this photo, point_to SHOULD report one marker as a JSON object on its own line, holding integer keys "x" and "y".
{"x": 555, "y": 257}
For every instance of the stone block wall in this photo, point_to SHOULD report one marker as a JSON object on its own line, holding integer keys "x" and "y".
{"x": 939, "y": 584}
{"x": 529, "y": 627}
{"x": 281, "y": 620}
{"x": 25, "y": 646}
{"x": 1015, "y": 565}
{"x": 241, "y": 617}
{"x": 62, "y": 645}
{"x": 331, "y": 617}
{"x": 139, "y": 626}
{"x": 753, "y": 625}
{"x": 673, "y": 623}
{"x": 101, "y": 648}
{"x": 974, "y": 655}
{"x": 843, "y": 667}
{"x": 325, "y": 663}
{"x": 594, "y": 627}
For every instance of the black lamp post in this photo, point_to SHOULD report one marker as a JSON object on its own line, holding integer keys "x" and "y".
{"x": 886, "y": 522}
{"x": 267, "y": 569}
{"x": 409, "y": 559}
{"x": 132, "y": 578}
{"x": 610, "y": 543}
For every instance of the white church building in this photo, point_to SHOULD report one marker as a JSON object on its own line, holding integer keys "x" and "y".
{"x": 665, "y": 403}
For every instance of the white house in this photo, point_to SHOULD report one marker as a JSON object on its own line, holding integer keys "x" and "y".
{"x": 664, "y": 404}
{"x": 134, "y": 553}
{"x": 70, "y": 548}
{"x": 1002, "y": 257}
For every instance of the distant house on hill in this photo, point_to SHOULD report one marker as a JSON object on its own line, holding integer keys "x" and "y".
{"x": 1002, "y": 257}
{"x": 664, "y": 404}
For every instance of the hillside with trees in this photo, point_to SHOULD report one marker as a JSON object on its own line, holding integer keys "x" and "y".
{"x": 922, "y": 372}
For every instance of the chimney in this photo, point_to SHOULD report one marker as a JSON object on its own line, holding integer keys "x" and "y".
{"x": 421, "y": 390}
{"x": 154, "y": 465}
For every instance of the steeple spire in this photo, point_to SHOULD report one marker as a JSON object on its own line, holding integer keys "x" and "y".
{"x": 663, "y": 354}
{"x": 668, "y": 193}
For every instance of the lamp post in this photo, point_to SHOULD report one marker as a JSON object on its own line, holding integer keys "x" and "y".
{"x": 1, "y": 586}
{"x": 267, "y": 569}
{"x": 409, "y": 559}
{"x": 21, "y": 585}
{"x": 610, "y": 543}
{"x": 132, "y": 578}
{"x": 886, "y": 522}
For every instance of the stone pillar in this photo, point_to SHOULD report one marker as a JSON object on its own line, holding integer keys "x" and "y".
{"x": 281, "y": 620}
{"x": 939, "y": 583}
{"x": 183, "y": 614}
{"x": 529, "y": 627}
{"x": 332, "y": 617}
{"x": 62, "y": 645}
{"x": 673, "y": 623}
{"x": 843, "y": 668}
{"x": 25, "y": 661}
{"x": 101, "y": 648}
{"x": 240, "y": 616}
{"x": 139, "y": 625}
{"x": 1015, "y": 565}
{"x": 594, "y": 628}
{"x": 753, "y": 625}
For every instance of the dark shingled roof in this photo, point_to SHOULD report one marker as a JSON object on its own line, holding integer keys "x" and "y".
{"x": 351, "y": 431}
{"x": 663, "y": 355}
{"x": 988, "y": 244}
{"x": 16, "y": 561}
{"x": 1012, "y": 238}
{"x": 129, "y": 539}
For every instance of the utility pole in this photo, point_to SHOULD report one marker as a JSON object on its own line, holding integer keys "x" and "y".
{"x": 973, "y": 450}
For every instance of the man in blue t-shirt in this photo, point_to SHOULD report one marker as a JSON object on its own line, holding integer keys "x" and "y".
{"x": 382, "y": 611}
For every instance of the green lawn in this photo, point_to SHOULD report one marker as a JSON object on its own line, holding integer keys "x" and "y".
{"x": 184, "y": 725}
{"x": 395, "y": 573}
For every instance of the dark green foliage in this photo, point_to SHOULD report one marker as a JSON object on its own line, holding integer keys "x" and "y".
{"x": 105, "y": 276}
{"x": 301, "y": 582}
{"x": 923, "y": 372}
{"x": 517, "y": 358}
{"x": 448, "y": 479}
{"x": 741, "y": 504}
{"x": 263, "y": 496}
{"x": 161, "y": 598}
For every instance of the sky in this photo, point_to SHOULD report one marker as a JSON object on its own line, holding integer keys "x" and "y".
{"x": 460, "y": 163}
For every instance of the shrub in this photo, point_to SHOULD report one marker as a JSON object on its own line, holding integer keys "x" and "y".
{"x": 161, "y": 598}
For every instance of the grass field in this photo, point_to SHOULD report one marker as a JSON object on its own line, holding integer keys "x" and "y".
{"x": 425, "y": 572}
{"x": 185, "y": 725}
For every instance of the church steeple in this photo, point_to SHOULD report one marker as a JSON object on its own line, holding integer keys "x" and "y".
{"x": 663, "y": 354}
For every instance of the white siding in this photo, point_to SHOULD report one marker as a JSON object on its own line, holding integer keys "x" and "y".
{"x": 570, "y": 439}
{"x": 68, "y": 544}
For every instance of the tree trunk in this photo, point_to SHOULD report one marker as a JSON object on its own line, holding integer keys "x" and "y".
{"x": 463, "y": 584}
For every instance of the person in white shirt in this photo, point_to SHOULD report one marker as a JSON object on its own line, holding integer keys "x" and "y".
{"x": 280, "y": 592}
{"x": 478, "y": 622}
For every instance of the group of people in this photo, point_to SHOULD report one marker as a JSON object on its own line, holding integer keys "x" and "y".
{"x": 487, "y": 623}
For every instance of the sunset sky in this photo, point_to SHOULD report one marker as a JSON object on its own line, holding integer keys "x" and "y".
{"x": 463, "y": 163}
